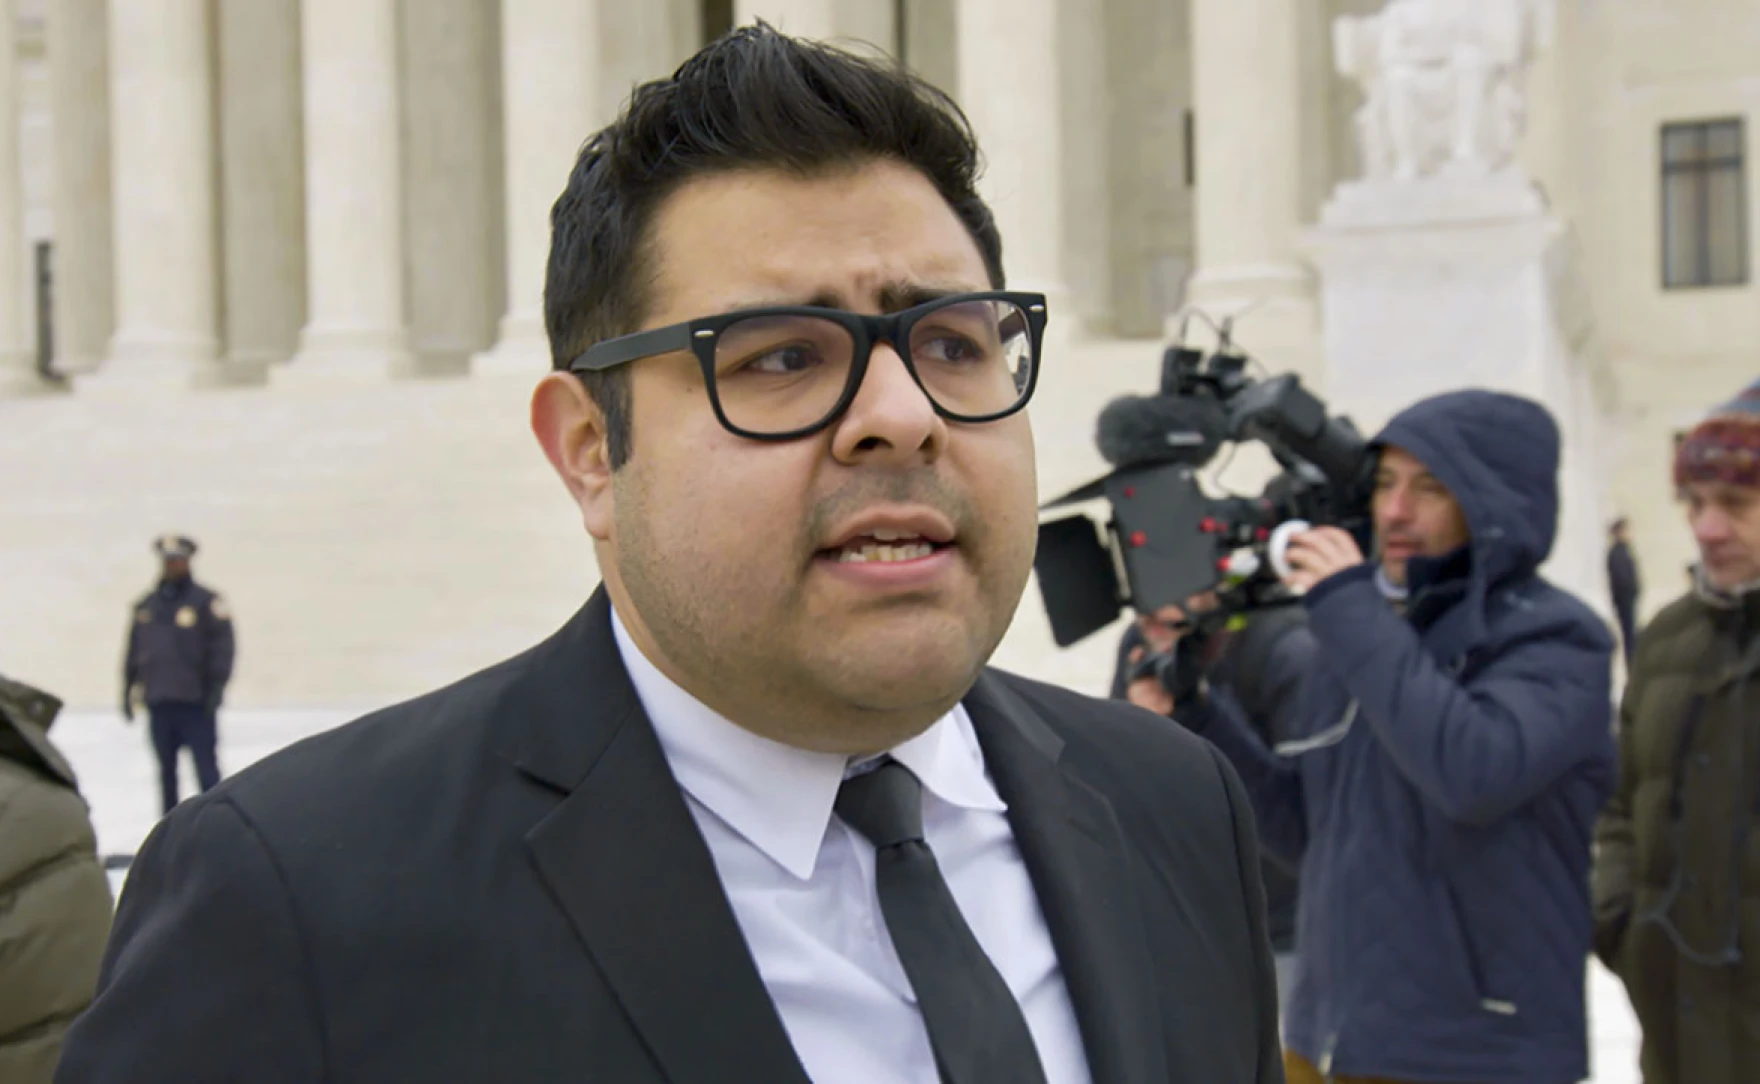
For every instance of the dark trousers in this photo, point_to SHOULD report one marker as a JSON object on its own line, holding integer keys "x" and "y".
{"x": 184, "y": 726}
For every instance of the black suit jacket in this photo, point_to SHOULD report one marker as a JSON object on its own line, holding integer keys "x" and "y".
{"x": 501, "y": 882}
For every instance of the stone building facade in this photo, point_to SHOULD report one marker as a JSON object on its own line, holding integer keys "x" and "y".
{"x": 281, "y": 261}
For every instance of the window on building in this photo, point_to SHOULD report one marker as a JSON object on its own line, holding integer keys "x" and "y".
{"x": 1704, "y": 205}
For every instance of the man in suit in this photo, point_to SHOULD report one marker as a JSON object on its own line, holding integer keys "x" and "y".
{"x": 178, "y": 660}
{"x": 759, "y": 811}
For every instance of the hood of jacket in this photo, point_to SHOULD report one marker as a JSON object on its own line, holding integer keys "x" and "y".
{"x": 1498, "y": 455}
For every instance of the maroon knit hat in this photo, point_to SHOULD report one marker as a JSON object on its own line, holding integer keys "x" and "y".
{"x": 1725, "y": 447}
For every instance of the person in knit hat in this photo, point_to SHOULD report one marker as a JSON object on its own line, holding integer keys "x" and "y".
{"x": 1717, "y": 473}
{"x": 1677, "y": 883}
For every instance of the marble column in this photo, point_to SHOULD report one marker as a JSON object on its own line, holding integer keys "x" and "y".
{"x": 262, "y": 186}
{"x": 1009, "y": 88}
{"x": 1149, "y": 57}
{"x": 646, "y": 38}
{"x": 866, "y": 27}
{"x": 79, "y": 89}
{"x": 355, "y": 318}
{"x": 1246, "y": 80}
{"x": 550, "y": 105}
{"x": 18, "y": 365}
{"x": 162, "y": 183}
{"x": 452, "y": 181}
{"x": 928, "y": 40}
{"x": 798, "y": 18}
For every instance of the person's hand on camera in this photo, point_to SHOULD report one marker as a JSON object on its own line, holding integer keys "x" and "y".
{"x": 1318, "y": 554}
{"x": 1148, "y": 691}
{"x": 1162, "y": 632}
{"x": 1164, "y": 628}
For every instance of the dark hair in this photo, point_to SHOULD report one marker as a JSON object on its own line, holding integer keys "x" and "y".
{"x": 754, "y": 98}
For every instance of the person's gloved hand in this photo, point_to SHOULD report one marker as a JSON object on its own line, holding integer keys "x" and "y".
{"x": 128, "y": 705}
{"x": 1144, "y": 687}
{"x": 1166, "y": 680}
{"x": 212, "y": 704}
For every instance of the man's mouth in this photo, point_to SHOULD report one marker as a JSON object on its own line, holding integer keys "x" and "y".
{"x": 884, "y": 546}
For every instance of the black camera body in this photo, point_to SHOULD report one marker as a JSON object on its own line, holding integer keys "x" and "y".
{"x": 1166, "y": 539}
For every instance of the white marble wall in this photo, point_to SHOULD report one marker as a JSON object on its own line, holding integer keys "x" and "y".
{"x": 341, "y": 517}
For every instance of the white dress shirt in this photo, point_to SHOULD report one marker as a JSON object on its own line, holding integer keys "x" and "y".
{"x": 801, "y": 883}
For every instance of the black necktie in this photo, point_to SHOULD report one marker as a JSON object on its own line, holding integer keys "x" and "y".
{"x": 975, "y": 1025}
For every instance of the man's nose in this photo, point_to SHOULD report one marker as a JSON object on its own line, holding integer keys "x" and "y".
{"x": 891, "y": 417}
{"x": 1711, "y": 525}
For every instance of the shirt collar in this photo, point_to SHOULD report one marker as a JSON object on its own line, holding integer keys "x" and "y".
{"x": 777, "y": 797}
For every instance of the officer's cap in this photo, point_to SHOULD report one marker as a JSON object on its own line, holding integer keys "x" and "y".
{"x": 174, "y": 545}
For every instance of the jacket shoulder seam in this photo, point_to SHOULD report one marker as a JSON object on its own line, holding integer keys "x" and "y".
{"x": 302, "y": 938}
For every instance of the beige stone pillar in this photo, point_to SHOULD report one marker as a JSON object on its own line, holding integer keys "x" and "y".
{"x": 355, "y": 317}
{"x": 1009, "y": 87}
{"x": 798, "y": 18}
{"x": 162, "y": 184}
{"x": 79, "y": 101}
{"x": 645, "y": 48}
{"x": 452, "y": 181}
{"x": 550, "y": 73}
{"x": 866, "y": 27}
{"x": 929, "y": 41}
{"x": 18, "y": 366}
{"x": 1246, "y": 79}
{"x": 262, "y": 179}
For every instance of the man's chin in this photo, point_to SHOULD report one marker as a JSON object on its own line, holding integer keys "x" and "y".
{"x": 906, "y": 668}
{"x": 1732, "y": 577}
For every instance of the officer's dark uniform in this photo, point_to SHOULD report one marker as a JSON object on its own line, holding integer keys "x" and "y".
{"x": 180, "y": 649}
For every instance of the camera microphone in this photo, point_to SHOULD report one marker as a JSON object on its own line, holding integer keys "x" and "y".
{"x": 1135, "y": 431}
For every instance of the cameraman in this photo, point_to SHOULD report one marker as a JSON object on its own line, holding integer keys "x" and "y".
{"x": 1451, "y": 756}
{"x": 1262, "y": 658}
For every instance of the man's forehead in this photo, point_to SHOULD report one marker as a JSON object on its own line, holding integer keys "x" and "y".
{"x": 1716, "y": 492}
{"x": 1396, "y": 459}
{"x": 876, "y": 236}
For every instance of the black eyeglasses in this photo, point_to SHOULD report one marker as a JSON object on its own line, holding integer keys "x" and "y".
{"x": 787, "y": 372}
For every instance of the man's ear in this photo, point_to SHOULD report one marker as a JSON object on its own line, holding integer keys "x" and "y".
{"x": 570, "y": 428}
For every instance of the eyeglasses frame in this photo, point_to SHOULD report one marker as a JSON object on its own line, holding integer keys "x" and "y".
{"x": 866, "y": 331}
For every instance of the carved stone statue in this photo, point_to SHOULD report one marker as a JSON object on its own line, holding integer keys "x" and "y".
{"x": 1442, "y": 83}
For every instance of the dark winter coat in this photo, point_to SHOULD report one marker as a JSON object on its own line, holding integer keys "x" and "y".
{"x": 54, "y": 898}
{"x": 1450, "y": 767}
{"x": 1623, "y": 587}
{"x": 1677, "y": 873}
{"x": 180, "y": 645}
{"x": 1263, "y": 663}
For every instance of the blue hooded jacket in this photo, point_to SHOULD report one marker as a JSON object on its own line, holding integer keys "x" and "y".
{"x": 1443, "y": 785}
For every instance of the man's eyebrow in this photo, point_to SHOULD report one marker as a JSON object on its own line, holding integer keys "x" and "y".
{"x": 897, "y": 296}
{"x": 893, "y": 298}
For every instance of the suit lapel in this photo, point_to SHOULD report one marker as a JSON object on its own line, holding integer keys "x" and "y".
{"x": 629, "y": 868}
{"x": 1080, "y": 866}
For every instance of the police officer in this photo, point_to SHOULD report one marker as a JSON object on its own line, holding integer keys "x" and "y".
{"x": 179, "y": 659}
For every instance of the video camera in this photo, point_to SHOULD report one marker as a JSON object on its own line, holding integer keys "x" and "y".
{"x": 1167, "y": 540}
